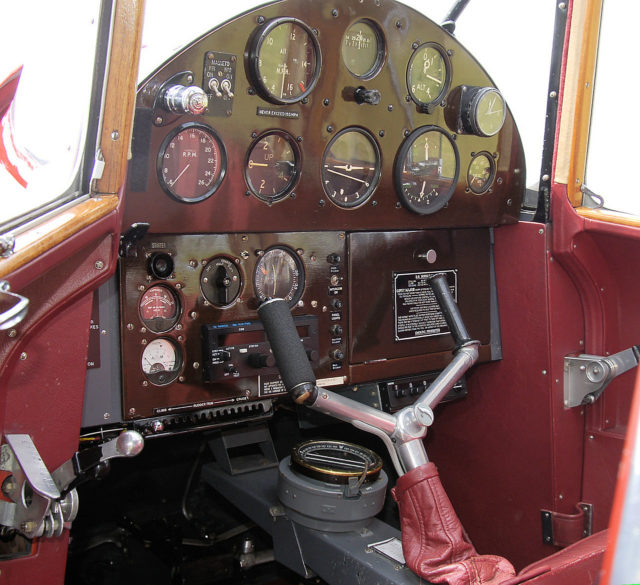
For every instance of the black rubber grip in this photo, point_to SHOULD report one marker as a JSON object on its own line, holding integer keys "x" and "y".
{"x": 449, "y": 308}
{"x": 291, "y": 357}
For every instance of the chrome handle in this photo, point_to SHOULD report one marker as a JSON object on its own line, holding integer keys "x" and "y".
{"x": 17, "y": 312}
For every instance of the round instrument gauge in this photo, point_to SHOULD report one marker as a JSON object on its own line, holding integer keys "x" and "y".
{"x": 428, "y": 75}
{"x": 161, "y": 361}
{"x": 191, "y": 163}
{"x": 426, "y": 170}
{"x": 351, "y": 167}
{"x": 159, "y": 309}
{"x": 272, "y": 166}
{"x": 363, "y": 49}
{"x": 481, "y": 172}
{"x": 279, "y": 274}
{"x": 483, "y": 111}
{"x": 220, "y": 281}
{"x": 284, "y": 60}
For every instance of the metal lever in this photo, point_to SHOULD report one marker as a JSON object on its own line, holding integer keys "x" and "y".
{"x": 17, "y": 312}
{"x": 586, "y": 376}
{"x": 38, "y": 503}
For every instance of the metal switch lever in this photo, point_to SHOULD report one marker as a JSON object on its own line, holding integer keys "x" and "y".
{"x": 16, "y": 312}
{"x": 586, "y": 376}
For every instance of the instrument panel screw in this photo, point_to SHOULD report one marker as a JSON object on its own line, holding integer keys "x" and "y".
{"x": 159, "y": 120}
{"x": 553, "y": 94}
{"x": 23, "y": 355}
{"x": 321, "y": 203}
{"x": 415, "y": 45}
{"x": 106, "y": 416}
{"x": 398, "y": 24}
{"x": 334, "y": 13}
{"x": 130, "y": 326}
{"x": 99, "y": 265}
{"x": 260, "y": 19}
{"x": 390, "y": 107}
{"x": 196, "y": 365}
{"x": 251, "y": 91}
{"x": 509, "y": 202}
{"x": 305, "y": 100}
{"x": 329, "y": 129}
{"x": 141, "y": 287}
{"x": 115, "y": 135}
{"x": 397, "y": 204}
{"x": 12, "y": 333}
{"x": 406, "y": 132}
{"x": 132, "y": 411}
{"x": 545, "y": 177}
{"x": 562, "y": 6}
{"x": 326, "y": 101}
{"x": 299, "y": 138}
{"x": 381, "y": 133}
{"x": 293, "y": 195}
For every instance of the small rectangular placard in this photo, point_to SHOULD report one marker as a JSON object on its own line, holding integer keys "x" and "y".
{"x": 390, "y": 549}
{"x": 273, "y": 113}
{"x": 416, "y": 310}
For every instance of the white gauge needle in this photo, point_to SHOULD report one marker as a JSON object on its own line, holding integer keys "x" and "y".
{"x": 351, "y": 168}
{"x": 423, "y": 185}
{"x": 180, "y": 175}
{"x": 347, "y": 176}
{"x": 284, "y": 73}
{"x": 438, "y": 81}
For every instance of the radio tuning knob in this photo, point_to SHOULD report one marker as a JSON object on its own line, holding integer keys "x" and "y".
{"x": 337, "y": 355}
{"x": 337, "y": 330}
{"x": 185, "y": 100}
{"x": 261, "y": 360}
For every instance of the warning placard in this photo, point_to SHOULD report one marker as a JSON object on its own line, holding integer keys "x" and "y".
{"x": 416, "y": 310}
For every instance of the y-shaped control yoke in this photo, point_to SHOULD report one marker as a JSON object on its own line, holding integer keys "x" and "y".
{"x": 402, "y": 432}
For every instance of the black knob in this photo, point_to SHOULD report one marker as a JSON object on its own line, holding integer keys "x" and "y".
{"x": 231, "y": 369}
{"x": 337, "y": 330}
{"x": 367, "y": 96}
{"x": 336, "y": 354}
{"x": 161, "y": 265}
{"x": 261, "y": 360}
{"x": 337, "y": 304}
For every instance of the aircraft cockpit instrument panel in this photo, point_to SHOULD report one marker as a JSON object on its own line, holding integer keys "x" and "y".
{"x": 333, "y": 154}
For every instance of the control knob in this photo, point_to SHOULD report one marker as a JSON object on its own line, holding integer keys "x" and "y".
{"x": 262, "y": 360}
{"x": 185, "y": 100}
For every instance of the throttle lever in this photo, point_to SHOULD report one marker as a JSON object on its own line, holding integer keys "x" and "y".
{"x": 440, "y": 286}
{"x": 77, "y": 469}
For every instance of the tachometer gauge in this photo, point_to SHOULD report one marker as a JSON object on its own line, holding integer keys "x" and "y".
{"x": 481, "y": 173}
{"x": 351, "y": 167}
{"x": 272, "y": 166}
{"x": 363, "y": 49}
{"x": 284, "y": 60}
{"x": 483, "y": 110}
{"x": 191, "y": 163}
{"x": 279, "y": 274}
{"x": 161, "y": 361}
{"x": 159, "y": 309}
{"x": 428, "y": 76}
{"x": 426, "y": 170}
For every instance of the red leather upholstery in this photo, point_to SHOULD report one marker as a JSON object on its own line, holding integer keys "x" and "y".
{"x": 434, "y": 543}
{"x": 577, "y": 564}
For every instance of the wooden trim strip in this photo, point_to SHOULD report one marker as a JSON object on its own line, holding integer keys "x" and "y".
{"x": 33, "y": 242}
{"x": 609, "y": 216}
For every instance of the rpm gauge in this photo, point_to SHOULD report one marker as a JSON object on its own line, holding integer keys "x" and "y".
{"x": 284, "y": 60}
{"x": 161, "y": 361}
{"x": 279, "y": 274}
{"x": 159, "y": 309}
{"x": 426, "y": 170}
{"x": 428, "y": 76}
{"x": 272, "y": 166}
{"x": 351, "y": 167}
{"x": 191, "y": 163}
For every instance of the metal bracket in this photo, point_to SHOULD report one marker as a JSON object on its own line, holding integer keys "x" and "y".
{"x": 586, "y": 376}
{"x": 131, "y": 237}
{"x": 7, "y": 245}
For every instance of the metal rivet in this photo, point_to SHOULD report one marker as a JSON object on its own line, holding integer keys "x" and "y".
{"x": 159, "y": 120}
{"x": 99, "y": 265}
{"x": 544, "y": 372}
{"x": 132, "y": 411}
{"x": 196, "y": 365}
{"x": 115, "y": 135}
{"x": 130, "y": 326}
{"x": 12, "y": 333}
{"x": 541, "y": 231}
{"x": 106, "y": 416}
{"x": 23, "y": 355}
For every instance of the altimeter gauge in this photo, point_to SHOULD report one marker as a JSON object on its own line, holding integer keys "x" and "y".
{"x": 428, "y": 76}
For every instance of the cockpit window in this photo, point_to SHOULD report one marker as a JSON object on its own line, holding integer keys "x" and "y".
{"x": 612, "y": 146}
{"x": 43, "y": 131}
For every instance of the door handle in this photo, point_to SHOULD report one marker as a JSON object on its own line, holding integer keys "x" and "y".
{"x": 18, "y": 309}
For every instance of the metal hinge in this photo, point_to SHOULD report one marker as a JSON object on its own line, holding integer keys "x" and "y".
{"x": 562, "y": 530}
{"x": 7, "y": 245}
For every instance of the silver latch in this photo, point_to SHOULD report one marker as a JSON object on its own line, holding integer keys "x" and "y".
{"x": 7, "y": 245}
{"x": 586, "y": 376}
{"x": 17, "y": 310}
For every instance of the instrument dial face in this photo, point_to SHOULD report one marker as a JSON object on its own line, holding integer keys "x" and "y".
{"x": 272, "y": 166}
{"x": 191, "y": 163}
{"x": 159, "y": 309}
{"x": 279, "y": 274}
{"x": 428, "y": 75}
{"x": 426, "y": 170}
{"x": 284, "y": 60}
{"x": 351, "y": 167}
{"x": 161, "y": 361}
{"x": 220, "y": 281}
{"x": 363, "y": 49}
{"x": 488, "y": 112}
{"x": 481, "y": 172}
